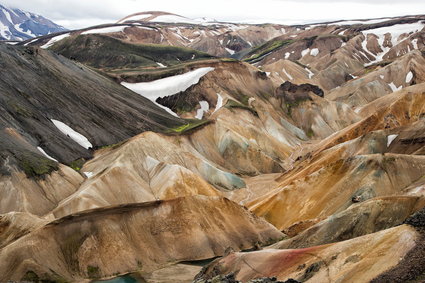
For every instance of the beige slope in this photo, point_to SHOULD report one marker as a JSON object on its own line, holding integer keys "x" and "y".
{"x": 153, "y": 166}
{"x": 409, "y": 139}
{"x": 359, "y": 219}
{"x": 332, "y": 188}
{"x": 255, "y": 187}
{"x": 375, "y": 84}
{"x": 37, "y": 195}
{"x": 145, "y": 168}
{"x": 342, "y": 166}
{"x": 283, "y": 70}
{"x": 320, "y": 118}
{"x": 356, "y": 260}
{"x": 14, "y": 225}
{"x": 246, "y": 92}
{"x": 391, "y": 111}
{"x": 113, "y": 240}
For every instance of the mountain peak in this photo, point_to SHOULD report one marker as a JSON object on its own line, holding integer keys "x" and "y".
{"x": 16, "y": 24}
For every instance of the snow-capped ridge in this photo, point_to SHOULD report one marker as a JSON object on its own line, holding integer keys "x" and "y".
{"x": 19, "y": 25}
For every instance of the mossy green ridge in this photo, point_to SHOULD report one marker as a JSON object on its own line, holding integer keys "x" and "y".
{"x": 104, "y": 52}
{"x": 190, "y": 126}
{"x": 257, "y": 53}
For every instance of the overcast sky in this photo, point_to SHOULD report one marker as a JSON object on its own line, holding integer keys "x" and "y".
{"x": 83, "y": 13}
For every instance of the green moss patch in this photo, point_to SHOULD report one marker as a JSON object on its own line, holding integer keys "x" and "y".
{"x": 93, "y": 271}
{"x": 190, "y": 126}
{"x": 77, "y": 164}
{"x": 234, "y": 104}
{"x": 36, "y": 166}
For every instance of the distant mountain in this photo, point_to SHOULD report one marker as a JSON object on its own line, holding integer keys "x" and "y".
{"x": 163, "y": 17}
{"x": 16, "y": 24}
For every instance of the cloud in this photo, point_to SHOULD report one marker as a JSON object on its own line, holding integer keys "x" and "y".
{"x": 83, "y": 13}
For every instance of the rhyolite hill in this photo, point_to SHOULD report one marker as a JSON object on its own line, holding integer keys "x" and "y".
{"x": 168, "y": 149}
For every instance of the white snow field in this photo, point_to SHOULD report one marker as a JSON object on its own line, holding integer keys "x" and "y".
{"x": 54, "y": 40}
{"x": 74, "y": 135}
{"x": 168, "y": 86}
{"x": 105, "y": 30}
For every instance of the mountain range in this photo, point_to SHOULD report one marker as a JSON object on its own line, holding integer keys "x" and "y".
{"x": 166, "y": 149}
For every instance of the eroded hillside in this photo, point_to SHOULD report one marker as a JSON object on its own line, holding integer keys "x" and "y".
{"x": 136, "y": 149}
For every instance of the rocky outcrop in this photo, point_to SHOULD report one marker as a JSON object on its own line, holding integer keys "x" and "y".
{"x": 292, "y": 92}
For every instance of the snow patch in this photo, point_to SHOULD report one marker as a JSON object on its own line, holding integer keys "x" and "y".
{"x": 6, "y": 13}
{"x": 310, "y": 73}
{"x": 28, "y": 32}
{"x": 305, "y": 52}
{"x": 314, "y": 52}
{"x": 230, "y": 51}
{"x": 409, "y": 77}
{"x": 106, "y": 30}
{"x": 54, "y": 40}
{"x": 219, "y": 102}
{"x": 89, "y": 174}
{"x": 4, "y": 31}
{"x": 45, "y": 154}
{"x": 168, "y": 86}
{"x": 204, "y": 108}
{"x": 365, "y": 22}
{"x": 161, "y": 65}
{"x": 288, "y": 75}
{"x": 382, "y": 76}
{"x": 415, "y": 43}
{"x": 74, "y": 135}
{"x": 394, "y": 88}
{"x": 34, "y": 40}
{"x": 396, "y": 31}
{"x": 287, "y": 54}
{"x": 390, "y": 139}
{"x": 357, "y": 110}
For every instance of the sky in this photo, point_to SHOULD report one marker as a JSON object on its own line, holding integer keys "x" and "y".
{"x": 74, "y": 14}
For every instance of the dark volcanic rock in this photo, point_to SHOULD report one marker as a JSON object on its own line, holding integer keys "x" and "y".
{"x": 411, "y": 268}
{"x": 417, "y": 219}
{"x": 184, "y": 101}
{"x": 39, "y": 86}
{"x": 293, "y": 92}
